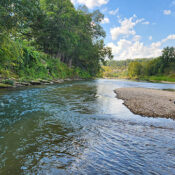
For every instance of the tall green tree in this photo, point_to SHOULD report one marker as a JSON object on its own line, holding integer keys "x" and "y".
{"x": 16, "y": 14}
{"x": 55, "y": 27}
{"x": 74, "y": 36}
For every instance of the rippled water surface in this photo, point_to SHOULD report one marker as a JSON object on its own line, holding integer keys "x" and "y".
{"x": 82, "y": 128}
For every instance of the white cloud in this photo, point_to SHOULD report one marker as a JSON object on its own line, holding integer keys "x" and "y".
{"x": 104, "y": 10}
{"x": 105, "y": 21}
{"x": 130, "y": 44}
{"x": 150, "y": 38}
{"x": 170, "y": 37}
{"x": 126, "y": 27}
{"x": 114, "y": 12}
{"x": 167, "y": 12}
{"x": 90, "y": 3}
{"x": 73, "y": 1}
{"x": 160, "y": 43}
{"x": 136, "y": 38}
{"x": 125, "y": 49}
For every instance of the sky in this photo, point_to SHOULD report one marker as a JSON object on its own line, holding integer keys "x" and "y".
{"x": 136, "y": 28}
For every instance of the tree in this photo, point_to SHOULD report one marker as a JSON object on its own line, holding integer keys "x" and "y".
{"x": 74, "y": 36}
{"x": 168, "y": 55}
{"x": 16, "y": 14}
{"x": 134, "y": 69}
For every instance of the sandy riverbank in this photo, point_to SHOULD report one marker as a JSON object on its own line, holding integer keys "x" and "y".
{"x": 148, "y": 102}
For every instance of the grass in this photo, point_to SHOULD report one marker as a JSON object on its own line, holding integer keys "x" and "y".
{"x": 158, "y": 78}
{"x": 2, "y": 85}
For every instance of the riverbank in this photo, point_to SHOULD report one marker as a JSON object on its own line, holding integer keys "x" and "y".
{"x": 158, "y": 79}
{"x": 148, "y": 102}
{"x": 15, "y": 84}
{"x": 150, "y": 79}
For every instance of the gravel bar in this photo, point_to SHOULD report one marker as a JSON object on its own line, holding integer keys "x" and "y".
{"x": 148, "y": 102}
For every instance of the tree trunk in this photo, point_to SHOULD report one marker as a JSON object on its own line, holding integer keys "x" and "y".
{"x": 70, "y": 62}
{"x": 58, "y": 55}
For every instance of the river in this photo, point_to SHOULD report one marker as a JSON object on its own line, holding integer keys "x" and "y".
{"x": 82, "y": 128}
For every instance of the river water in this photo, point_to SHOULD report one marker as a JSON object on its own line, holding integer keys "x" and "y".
{"x": 82, "y": 128}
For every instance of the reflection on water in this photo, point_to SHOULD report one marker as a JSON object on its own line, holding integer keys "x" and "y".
{"x": 81, "y": 128}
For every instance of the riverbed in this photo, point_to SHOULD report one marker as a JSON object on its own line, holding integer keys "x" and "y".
{"x": 82, "y": 128}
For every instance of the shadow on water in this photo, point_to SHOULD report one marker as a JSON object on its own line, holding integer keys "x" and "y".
{"x": 81, "y": 128}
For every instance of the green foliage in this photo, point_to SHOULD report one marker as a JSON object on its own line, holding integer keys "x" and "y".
{"x": 9, "y": 82}
{"x": 168, "y": 55}
{"x": 161, "y": 68}
{"x": 20, "y": 60}
{"x": 2, "y": 85}
{"x": 50, "y": 39}
{"x": 9, "y": 51}
{"x": 157, "y": 69}
{"x": 82, "y": 73}
{"x": 159, "y": 78}
{"x": 134, "y": 69}
{"x": 15, "y": 15}
{"x": 75, "y": 36}
{"x": 114, "y": 72}
{"x": 125, "y": 63}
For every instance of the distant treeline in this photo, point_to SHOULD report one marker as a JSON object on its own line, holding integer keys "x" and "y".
{"x": 50, "y": 38}
{"x": 161, "y": 68}
{"x": 125, "y": 63}
{"x": 163, "y": 65}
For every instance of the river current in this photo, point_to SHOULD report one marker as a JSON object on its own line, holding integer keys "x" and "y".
{"x": 82, "y": 128}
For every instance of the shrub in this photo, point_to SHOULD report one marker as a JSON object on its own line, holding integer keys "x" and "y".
{"x": 10, "y": 82}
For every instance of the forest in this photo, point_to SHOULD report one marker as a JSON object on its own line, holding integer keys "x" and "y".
{"x": 43, "y": 39}
{"x": 154, "y": 69}
{"x": 157, "y": 69}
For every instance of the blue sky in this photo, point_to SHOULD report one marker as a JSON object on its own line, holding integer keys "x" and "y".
{"x": 136, "y": 28}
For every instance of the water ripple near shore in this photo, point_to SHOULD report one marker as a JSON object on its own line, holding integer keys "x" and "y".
{"x": 81, "y": 128}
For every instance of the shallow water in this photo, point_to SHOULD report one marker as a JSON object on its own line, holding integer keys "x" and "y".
{"x": 82, "y": 128}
